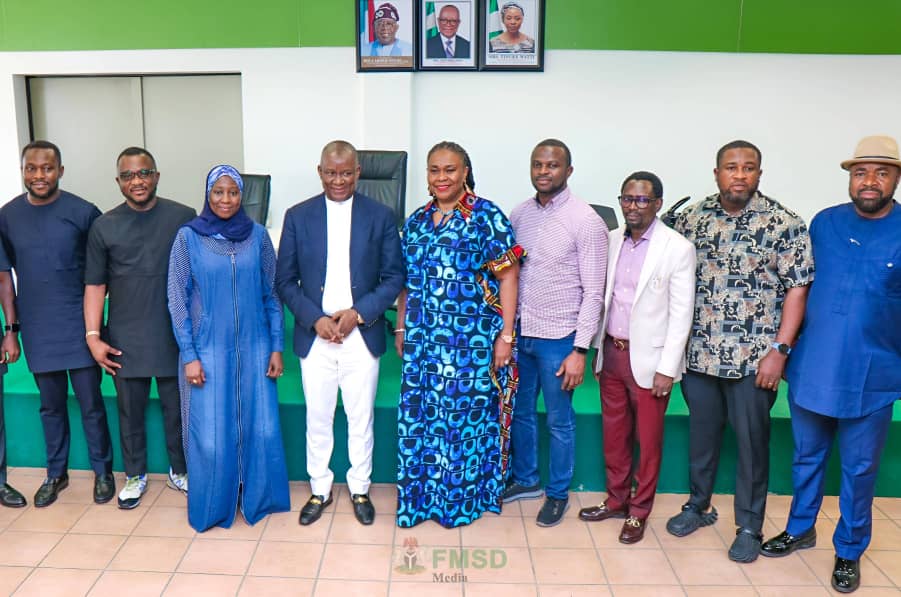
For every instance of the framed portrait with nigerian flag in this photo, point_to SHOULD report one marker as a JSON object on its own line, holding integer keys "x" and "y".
{"x": 448, "y": 32}
{"x": 511, "y": 35}
{"x": 386, "y": 35}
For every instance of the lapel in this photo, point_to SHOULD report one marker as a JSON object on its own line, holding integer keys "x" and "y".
{"x": 656, "y": 247}
{"x": 615, "y": 246}
{"x": 317, "y": 232}
{"x": 358, "y": 237}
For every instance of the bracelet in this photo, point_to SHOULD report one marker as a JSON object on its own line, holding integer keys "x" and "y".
{"x": 91, "y": 333}
{"x": 400, "y": 330}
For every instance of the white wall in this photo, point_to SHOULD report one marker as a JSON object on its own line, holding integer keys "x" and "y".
{"x": 619, "y": 111}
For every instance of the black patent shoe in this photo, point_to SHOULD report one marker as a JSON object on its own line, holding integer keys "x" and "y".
{"x": 845, "y": 575}
{"x": 104, "y": 488}
{"x": 784, "y": 544}
{"x": 49, "y": 490}
{"x": 11, "y": 498}
{"x": 312, "y": 510}
{"x": 363, "y": 508}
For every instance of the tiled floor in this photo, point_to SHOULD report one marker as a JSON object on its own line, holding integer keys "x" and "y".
{"x": 75, "y": 548}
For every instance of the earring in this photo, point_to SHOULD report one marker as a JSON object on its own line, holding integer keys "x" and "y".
{"x": 467, "y": 189}
{"x": 428, "y": 189}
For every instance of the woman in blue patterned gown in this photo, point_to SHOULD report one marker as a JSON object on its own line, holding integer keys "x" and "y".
{"x": 228, "y": 324}
{"x": 455, "y": 334}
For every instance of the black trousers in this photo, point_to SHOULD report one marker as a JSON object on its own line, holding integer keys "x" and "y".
{"x": 711, "y": 402}
{"x": 54, "y": 389}
{"x": 133, "y": 397}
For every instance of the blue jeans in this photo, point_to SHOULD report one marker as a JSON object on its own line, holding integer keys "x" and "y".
{"x": 539, "y": 360}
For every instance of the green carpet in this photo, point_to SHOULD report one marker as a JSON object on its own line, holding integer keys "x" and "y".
{"x": 26, "y": 446}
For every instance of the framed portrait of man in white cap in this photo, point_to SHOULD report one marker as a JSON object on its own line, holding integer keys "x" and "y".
{"x": 386, "y": 39}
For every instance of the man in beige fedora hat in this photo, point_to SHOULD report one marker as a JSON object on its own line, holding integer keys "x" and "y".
{"x": 844, "y": 373}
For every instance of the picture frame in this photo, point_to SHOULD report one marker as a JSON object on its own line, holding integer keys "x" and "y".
{"x": 511, "y": 35}
{"x": 386, "y": 35}
{"x": 448, "y": 35}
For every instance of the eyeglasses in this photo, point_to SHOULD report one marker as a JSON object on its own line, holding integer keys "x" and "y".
{"x": 449, "y": 21}
{"x": 639, "y": 201}
{"x": 143, "y": 174}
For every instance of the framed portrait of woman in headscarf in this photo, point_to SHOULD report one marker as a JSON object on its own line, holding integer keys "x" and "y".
{"x": 511, "y": 35}
{"x": 386, "y": 35}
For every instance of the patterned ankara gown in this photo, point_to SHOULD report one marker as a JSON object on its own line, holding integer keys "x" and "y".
{"x": 454, "y": 414}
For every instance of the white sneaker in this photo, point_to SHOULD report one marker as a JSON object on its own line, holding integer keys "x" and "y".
{"x": 130, "y": 496}
{"x": 178, "y": 482}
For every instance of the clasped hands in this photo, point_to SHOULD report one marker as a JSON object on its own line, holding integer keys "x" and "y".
{"x": 336, "y": 327}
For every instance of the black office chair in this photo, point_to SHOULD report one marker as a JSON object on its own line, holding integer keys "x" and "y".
{"x": 670, "y": 215}
{"x": 383, "y": 176}
{"x": 255, "y": 198}
{"x": 608, "y": 215}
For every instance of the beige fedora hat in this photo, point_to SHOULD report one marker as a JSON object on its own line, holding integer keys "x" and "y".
{"x": 878, "y": 149}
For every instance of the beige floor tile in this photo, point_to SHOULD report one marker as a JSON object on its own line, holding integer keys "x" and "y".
{"x": 778, "y": 506}
{"x": 433, "y": 589}
{"x": 30, "y": 548}
{"x": 284, "y": 526}
{"x": 429, "y": 534}
{"x": 56, "y": 518}
{"x": 356, "y": 562}
{"x": 133, "y": 584}
{"x": 705, "y": 567}
{"x": 300, "y": 493}
{"x": 346, "y": 529}
{"x": 821, "y": 561}
{"x": 511, "y": 510}
{"x": 195, "y": 585}
{"x": 625, "y": 567}
{"x": 53, "y": 582}
{"x": 150, "y": 554}
{"x": 164, "y": 496}
{"x": 84, "y": 551}
{"x": 647, "y": 591}
{"x": 720, "y": 591}
{"x": 571, "y": 533}
{"x": 789, "y": 591}
{"x": 261, "y": 586}
{"x": 829, "y": 507}
{"x": 574, "y": 591}
{"x": 347, "y": 588}
{"x": 383, "y": 496}
{"x": 567, "y": 566}
{"x": 875, "y": 592}
{"x": 888, "y": 562}
{"x": 163, "y": 521}
{"x": 218, "y": 556}
{"x": 494, "y": 531}
{"x": 667, "y": 505}
{"x": 9, "y": 515}
{"x": 703, "y": 538}
{"x": 606, "y": 534}
{"x": 499, "y": 565}
{"x": 104, "y": 520}
{"x": 239, "y": 530}
{"x": 489, "y": 590}
{"x": 790, "y": 570}
{"x": 287, "y": 559}
{"x": 888, "y": 507}
{"x": 11, "y": 577}
{"x": 886, "y": 535}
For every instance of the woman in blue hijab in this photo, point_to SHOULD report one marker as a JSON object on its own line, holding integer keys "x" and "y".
{"x": 228, "y": 324}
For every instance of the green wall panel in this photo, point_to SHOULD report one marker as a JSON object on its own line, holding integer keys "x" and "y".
{"x": 825, "y": 26}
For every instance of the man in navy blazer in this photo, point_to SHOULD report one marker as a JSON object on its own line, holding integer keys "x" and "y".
{"x": 339, "y": 269}
{"x": 447, "y": 44}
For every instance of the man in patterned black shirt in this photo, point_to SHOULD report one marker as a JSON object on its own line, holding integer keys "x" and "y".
{"x": 754, "y": 267}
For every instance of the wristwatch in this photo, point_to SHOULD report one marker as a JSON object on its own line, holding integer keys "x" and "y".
{"x": 580, "y": 350}
{"x": 782, "y": 348}
{"x": 507, "y": 339}
{"x": 360, "y": 318}
{"x": 12, "y": 328}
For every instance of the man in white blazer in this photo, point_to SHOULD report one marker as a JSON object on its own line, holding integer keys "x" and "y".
{"x": 649, "y": 303}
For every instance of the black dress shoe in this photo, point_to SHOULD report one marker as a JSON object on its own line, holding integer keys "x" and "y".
{"x": 49, "y": 490}
{"x": 363, "y": 508}
{"x": 783, "y": 543}
{"x": 11, "y": 498}
{"x": 312, "y": 510}
{"x": 846, "y": 575}
{"x": 104, "y": 488}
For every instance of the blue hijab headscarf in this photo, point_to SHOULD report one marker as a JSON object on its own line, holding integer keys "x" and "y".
{"x": 236, "y": 228}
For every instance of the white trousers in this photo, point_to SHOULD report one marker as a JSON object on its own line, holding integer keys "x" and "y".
{"x": 352, "y": 368}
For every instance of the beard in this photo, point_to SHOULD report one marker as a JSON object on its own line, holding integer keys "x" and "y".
{"x": 47, "y": 194}
{"x": 871, "y": 206}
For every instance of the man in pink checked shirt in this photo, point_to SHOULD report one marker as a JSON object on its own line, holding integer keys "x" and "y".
{"x": 561, "y": 294}
{"x": 649, "y": 305}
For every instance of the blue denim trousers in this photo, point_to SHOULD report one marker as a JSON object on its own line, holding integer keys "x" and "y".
{"x": 539, "y": 360}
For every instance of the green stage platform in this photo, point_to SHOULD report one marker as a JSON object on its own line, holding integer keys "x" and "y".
{"x": 26, "y": 447}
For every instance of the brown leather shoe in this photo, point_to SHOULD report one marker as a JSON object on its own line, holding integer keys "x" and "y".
{"x": 600, "y": 512}
{"x": 633, "y": 530}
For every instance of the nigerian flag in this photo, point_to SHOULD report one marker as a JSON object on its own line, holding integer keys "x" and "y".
{"x": 431, "y": 25}
{"x": 494, "y": 20}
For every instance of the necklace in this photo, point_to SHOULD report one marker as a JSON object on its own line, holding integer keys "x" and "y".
{"x": 443, "y": 212}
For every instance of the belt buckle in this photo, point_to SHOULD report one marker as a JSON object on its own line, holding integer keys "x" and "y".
{"x": 619, "y": 344}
